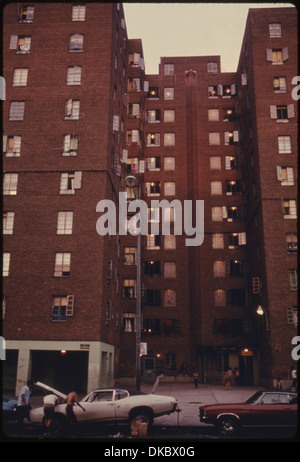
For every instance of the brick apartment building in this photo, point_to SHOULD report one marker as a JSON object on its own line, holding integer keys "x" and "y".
{"x": 80, "y": 116}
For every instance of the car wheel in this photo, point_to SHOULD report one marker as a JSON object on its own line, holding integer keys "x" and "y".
{"x": 228, "y": 425}
{"x": 59, "y": 423}
{"x": 142, "y": 416}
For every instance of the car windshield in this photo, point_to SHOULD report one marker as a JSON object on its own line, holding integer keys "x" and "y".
{"x": 254, "y": 398}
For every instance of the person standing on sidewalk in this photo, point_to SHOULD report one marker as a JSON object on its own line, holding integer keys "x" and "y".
{"x": 23, "y": 405}
{"x": 196, "y": 377}
{"x": 294, "y": 378}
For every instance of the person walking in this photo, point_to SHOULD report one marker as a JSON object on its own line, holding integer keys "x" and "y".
{"x": 228, "y": 378}
{"x": 23, "y": 405}
{"x": 196, "y": 377}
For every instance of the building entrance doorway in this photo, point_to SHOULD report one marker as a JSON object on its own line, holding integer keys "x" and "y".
{"x": 64, "y": 372}
{"x": 246, "y": 370}
{"x": 149, "y": 369}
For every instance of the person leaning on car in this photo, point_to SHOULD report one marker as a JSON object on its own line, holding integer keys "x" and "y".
{"x": 49, "y": 404}
{"x": 72, "y": 398}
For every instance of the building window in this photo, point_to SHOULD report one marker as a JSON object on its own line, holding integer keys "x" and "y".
{"x": 216, "y": 188}
{"x": 129, "y": 322}
{"x": 231, "y": 137}
{"x": 129, "y": 255}
{"x": 153, "y": 116}
{"x": 275, "y": 30}
{"x": 213, "y": 91}
{"x": 277, "y": 55}
{"x": 284, "y": 144}
{"x": 153, "y": 241}
{"x": 132, "y": 165}
{"x": 213, "y": 115}
{"x": 212, "y": 68}
{"x": 282, "y": 113}
{"x": 170, "y": 242}
{"x": 237, "y": 239}
{"x": 153, "y": 139}
{"x": 228, "y": 114}
{"x": 26, "y": 14}
{"x": 74, "y": 75}
{"x": 220, "y": 297}
{"x": 169, "y": 188}
{"x": 168, "y": 69}
{"x": 219, "y": 269}
{"x": 170, "y": 298}
{"x": 292, "y": 242}
{"x": 62, "y": 306}
{"x": 292, "y": 316}
{"x": 169, "y": 139}
{"x": 236, "y": 297}
{"x": 62, "y": 264}
{"x": 218, "y": 241}
{"x": 170, "y": 269}
{"x": 8, "y": 222}
{"x": 170, "y": 362}
{"x": 12, "y": 146}
{"x": 169, "y": 116}
{"x": 169, "y": 164}
{"x": 285, "y": 175}
{"x": 64, "y": 222}
{"x": 233, "y": 187}
{"x": 21, "y": 44}
{"x": 151, "y": 327}
{"x": 70, "y": 145}
{"x": 6, "y": 264}
{"x": 217, "y": 213}
{"x": 152, "y": 268}
{"x": 289, "y": 208}
{"x": 134, "y": 110}
{"x": 72, "y": 109}
{"x": 76, "y": 43}
{"x": 17, "y": 109}
{"x": 232, "y": 162}
{"x": 78, "y": 13}
{"x": 152, "y": 297}
{"x": 69, "y": 182}
{"x": 153, "y": 93}
{"x": 279, "y": 84}
{"x": 10, "y": 182}
{"x": 134, "y": 59}
{"x": 171, "y": 327}
{"x": 134, "y": 84}
{"x": 20, "y": 77}
{"x": 153, "y": 188}
{"x": 293, "y": 278}
{"x": 215, "y": 163}
{"x": 214, "y": 138}
{"x": 153, "y": 164}
{"x": 169, "y": 93}
{"x": 129, "y": 288}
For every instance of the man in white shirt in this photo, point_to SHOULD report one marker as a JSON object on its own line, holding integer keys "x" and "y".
{"x": 50, "y": 402}
{"x": 23, "y": 405}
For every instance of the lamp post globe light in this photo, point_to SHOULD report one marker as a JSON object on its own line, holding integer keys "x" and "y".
{"x": 131, "y": 182}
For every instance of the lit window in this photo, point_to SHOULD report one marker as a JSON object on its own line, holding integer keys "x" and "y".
{"x": 72, "y": 109}
{"x": 8, "y": 222}
{"x": 169, "y": 139}
{"x": 169, "y": 163}
{"x": 292, "y": 242}
{"x": 26, "y": 14}
{"x": 64, "y": 222}
{"x": 215, "y": 163}
{"x": 169, "y": 115}
{"x": 289, "y": 208}
{"x": 285, "y": 175}
{"x": 129, "y": 288}
{"x": 62, "y": 264}
{"x": 10, "y": 182}
{"x": 214, "y": 138}
{"x": 6, "y": 263}
{"x": 20, "y": 77}
{"x": 170, "y": 269}
{"x": 212, "y": 68}
{"x": 170, "y": 242}
{"x": 74, "y": 75}
{"x": 279, "y": 84}
{"x": 218, "y": 241}
{"x": 12, "y": 146}
{"x": 293, "y": 278}
{"x": 169, "y": 189}
{"x": 70, "y": 145}
{"x": 213, "y": 115}
{"x": 78, "y": 13}
{"x": 128, "y": 322}
{"x": 216, "y": 188}
{"x": 220, "y": 297}
{"x": 284, "y": 144}
{"x": 169, "y": 93}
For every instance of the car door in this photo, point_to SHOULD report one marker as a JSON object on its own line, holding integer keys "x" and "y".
{"x": 272, "y": 409}
{"x": 99, "y": 405}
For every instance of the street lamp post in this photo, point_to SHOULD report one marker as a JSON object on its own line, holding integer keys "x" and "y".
{"x": 131, "y": 182}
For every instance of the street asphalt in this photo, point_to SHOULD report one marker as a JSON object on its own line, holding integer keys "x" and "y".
{"x": 190, "y": 399}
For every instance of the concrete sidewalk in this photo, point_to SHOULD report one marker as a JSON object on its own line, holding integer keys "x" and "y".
{"x": 191, "y": 398}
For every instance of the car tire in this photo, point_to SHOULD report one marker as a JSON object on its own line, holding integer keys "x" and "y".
{"x": 141, "y": 415}
{"x": 59, "y": 424}
{"x": 228, "y": 425}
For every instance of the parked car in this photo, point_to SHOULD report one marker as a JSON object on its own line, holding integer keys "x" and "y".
{"x": 113, "y": 405}
{"x": 264, "y": 408}
{"x": 9, "y": 408}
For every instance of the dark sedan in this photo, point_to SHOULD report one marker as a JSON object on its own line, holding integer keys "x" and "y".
{"x": 264, "y": 408}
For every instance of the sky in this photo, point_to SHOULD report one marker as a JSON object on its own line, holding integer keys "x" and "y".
{"x": 190, "y": 29}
